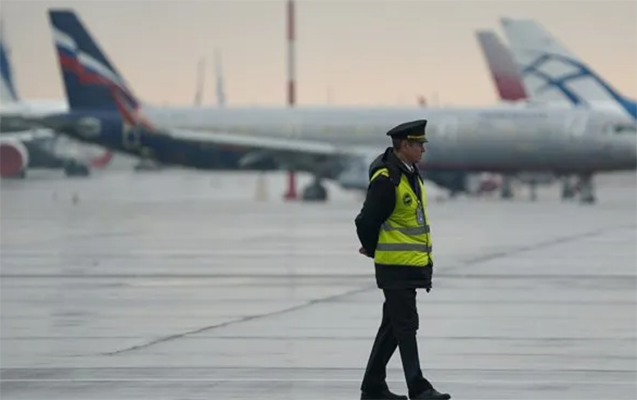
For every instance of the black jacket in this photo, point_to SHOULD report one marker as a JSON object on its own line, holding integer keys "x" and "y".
{"x": 378, "y": 206}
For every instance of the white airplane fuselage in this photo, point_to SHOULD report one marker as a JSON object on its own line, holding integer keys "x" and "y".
{"x": 491, "y": 138}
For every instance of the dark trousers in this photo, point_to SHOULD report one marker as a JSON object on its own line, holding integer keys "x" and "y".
{"x": 397, "y": 329}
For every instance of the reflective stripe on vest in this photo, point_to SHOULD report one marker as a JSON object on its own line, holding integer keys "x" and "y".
{"x": 402, "y": 239}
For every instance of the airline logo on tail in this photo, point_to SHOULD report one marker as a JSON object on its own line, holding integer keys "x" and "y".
{"x": 93, "y": 69}
{"x": 550, "y": 83}
{"x": 89, "y": 70}
{"x": 580, "y": 72}
{"x": 551, "y": 72}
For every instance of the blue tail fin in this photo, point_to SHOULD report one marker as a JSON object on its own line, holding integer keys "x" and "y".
{"x": 89, "y": 77}
{"x": 7, "y": 87}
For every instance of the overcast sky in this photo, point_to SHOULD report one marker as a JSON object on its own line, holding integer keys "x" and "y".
{"x": 352, "y": 52}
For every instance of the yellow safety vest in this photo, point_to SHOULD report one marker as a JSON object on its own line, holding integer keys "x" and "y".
{"x": 403, "y": 240}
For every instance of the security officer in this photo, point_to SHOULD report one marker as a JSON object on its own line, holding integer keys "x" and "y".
{"x": 393, "y": 229}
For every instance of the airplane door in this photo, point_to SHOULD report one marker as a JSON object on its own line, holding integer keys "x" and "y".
{"x": 131, "y": 137}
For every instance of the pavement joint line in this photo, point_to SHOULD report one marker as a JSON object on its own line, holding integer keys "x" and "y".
{"x": 479, "y": 259}
{"x": 236, "y": 321}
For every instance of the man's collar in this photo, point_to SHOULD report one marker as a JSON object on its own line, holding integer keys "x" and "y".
{"x": 401, "y": 160}
{"x": 408, "y": 168}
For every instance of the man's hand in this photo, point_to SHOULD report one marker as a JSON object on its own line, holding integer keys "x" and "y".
{"x": 431, "y": 271}
{"x": 363, "y": 252}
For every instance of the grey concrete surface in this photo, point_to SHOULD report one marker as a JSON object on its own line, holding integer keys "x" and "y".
{"x": 179, "y": 285}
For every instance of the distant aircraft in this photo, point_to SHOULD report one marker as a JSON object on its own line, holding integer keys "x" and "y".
{"x": 508, "y": 82}
{"x": 327, "y": 141}
{"x": 554, "y": 75}
{"x": 24, "y": 145}
{"x": 12, "y": 106}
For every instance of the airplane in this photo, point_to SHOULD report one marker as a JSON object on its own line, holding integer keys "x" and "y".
{"x": 23, "y": 145}
{"x": 12, "y": 108}
{"x": 330, "y": 142}
{"x": 508, "y": 82}
{"x": 553, "y": 75}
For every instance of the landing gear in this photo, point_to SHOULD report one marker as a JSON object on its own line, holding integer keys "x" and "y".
{"x": 533, "y": 190}
{"x": 587, "y": 190}
{"x": 506, "y": 191}
{"x": 315, "y": 191}
{"x": 74, "y": 168}
{"x": 146, "y": 164}
{"x": 568, "y": 190}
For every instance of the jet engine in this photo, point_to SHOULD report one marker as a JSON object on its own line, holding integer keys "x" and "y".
{"x": 14, "y": 158}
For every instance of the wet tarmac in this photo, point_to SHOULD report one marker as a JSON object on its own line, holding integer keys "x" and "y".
{"x": 179, "y": 285}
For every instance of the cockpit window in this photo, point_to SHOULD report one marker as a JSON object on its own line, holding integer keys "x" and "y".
{"x": 626, "y": 129}
{"x": 621, "y": 129}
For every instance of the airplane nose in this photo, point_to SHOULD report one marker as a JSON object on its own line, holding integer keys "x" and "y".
{"x": 626, "y": 148}
{"x": 632, "y": 145}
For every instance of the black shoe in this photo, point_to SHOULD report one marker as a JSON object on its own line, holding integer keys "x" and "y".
{"x": 431, "y": 394}
{"x": 382, "y": 395}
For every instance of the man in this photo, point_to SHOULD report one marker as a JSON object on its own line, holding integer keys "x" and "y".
{"x": 394, "y": 230}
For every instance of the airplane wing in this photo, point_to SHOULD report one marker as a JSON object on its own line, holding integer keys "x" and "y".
{"x": 262, "y": 142}
{"x": 13, "y": 124}
{"x": 27, "y": 136}
{"x": 318, "y": 157}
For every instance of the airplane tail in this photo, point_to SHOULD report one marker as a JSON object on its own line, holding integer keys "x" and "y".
{"x": 8, "y": 92}
{"x": 504, "y": 71}
{"x": 201, "y": 77}
{"x": 552, "y": 73}
{"x": 91, "y": 81}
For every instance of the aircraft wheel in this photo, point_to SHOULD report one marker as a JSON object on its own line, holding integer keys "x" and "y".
{"x": 76, "y": 169}
{"x": 20, "y": 175}
{"x": 315, "y": 192}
